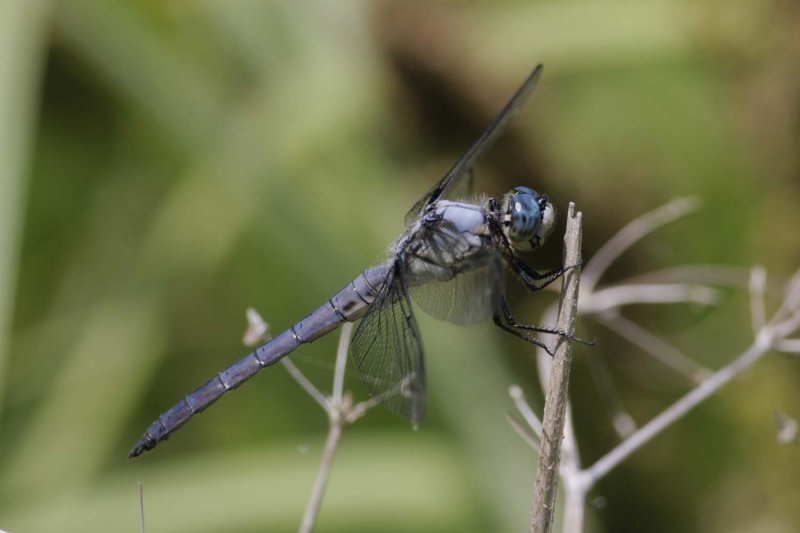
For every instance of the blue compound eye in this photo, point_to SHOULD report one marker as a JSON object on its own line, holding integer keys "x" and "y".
{"x": 528, "y": 219}
{"x": 525, "y": 214}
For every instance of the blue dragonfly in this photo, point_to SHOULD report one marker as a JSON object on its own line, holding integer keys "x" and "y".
{"x": 450, "y": 260}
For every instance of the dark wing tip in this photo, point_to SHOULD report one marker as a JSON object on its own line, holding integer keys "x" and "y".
{"x": 534, "y": 76}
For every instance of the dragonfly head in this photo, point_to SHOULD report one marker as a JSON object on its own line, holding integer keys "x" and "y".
{"x": 528, "y": 218}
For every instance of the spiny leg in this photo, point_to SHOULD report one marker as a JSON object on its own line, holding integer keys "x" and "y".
{"x": 512, "y": 322}
{"x": 533, "y": 280}
{"x": 533, "y": 340}
{"x": 506, "y": 321}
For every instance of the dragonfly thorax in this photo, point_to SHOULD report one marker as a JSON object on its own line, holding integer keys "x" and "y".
{"x": 528, "y": 218}
{"x": 448, "y": 240}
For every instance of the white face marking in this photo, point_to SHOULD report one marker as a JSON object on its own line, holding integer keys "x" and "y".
{"x": 548, "y": 222}
{"x": 517, "y": 206}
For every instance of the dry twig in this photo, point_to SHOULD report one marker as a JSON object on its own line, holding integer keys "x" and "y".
{"x": 555, "y": 406}
{"x": 772, "y": 334}
{"x": 338, "y": 406}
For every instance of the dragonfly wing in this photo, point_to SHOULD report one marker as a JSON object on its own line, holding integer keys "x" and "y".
{"x": 462, "y": 294}
{"x": 467, "y": 298}
{"x": 458, "y": 179}
{"x": 387, "y": 350}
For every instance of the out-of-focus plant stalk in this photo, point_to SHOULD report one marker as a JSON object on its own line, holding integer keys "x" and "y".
{"x": 23, "y": 37}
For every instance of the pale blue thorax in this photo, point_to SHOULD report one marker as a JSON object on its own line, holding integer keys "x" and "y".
{"x": 454, "y": 246}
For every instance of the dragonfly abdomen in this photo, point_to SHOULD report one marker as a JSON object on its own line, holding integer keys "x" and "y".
{"x": 349, "y": 304}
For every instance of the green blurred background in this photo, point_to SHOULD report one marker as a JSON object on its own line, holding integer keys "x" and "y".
{"x": 164, "y": 165}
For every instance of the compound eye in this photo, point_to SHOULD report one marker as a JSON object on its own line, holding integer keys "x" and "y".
{"x": 525, "y": 217}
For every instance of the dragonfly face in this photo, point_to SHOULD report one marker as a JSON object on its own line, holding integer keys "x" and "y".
{"x": 528, "y": 218}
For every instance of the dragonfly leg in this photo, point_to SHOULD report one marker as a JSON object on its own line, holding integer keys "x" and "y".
{"x": 524, "y": 336}
{"x": 506, "y": 321}
{"x": 533, "y": 280}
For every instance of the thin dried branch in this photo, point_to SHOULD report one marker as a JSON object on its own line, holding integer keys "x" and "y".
{"x": 360, "y": 409}
{"x": 338, "y": 410}
{"x": 525, "y": 410}
{"x": 657, "y": 348}
{"x": 524, "y": 432}
{"x": 778, "y": 331}
{"x": 306, "y": 384}
{"x": 605, "y": 300}
{"x": 632, "y": 233}
{"x": 716, "y": 275}
{"x": 341, "y": 361}
{"x": 787, "y": 345}
{"x": 758, "y": 282}
{"x": 555, "y": 407}
{"x": 773, "y": 334}
{"x": 669, "y": 416}
{"x": 791, "y": 298}
{"x": 318, "y": 491}
{"x": 141, "y": 508}
{"x": 339, "y": 407}
{"x": 575, "y": 485}
{"x": 765, "y": 340}
{"x": 622, "y": 421}
{"x": 684, "y": 284}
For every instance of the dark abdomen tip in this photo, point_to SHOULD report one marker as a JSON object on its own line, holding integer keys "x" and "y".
{"x": 144, "y": 444}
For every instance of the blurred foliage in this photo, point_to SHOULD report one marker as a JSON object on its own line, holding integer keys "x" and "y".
{"x": 164, "y": 165}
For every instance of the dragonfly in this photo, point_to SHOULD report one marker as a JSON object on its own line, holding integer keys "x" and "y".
{"x": 451, "y": 260}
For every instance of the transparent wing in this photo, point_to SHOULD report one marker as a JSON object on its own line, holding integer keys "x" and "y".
{"x": 459, "y": 177}
{"x": 387, "y": 351}
{"x": 467, "y": 298}
{"x": 466, "y": 293}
